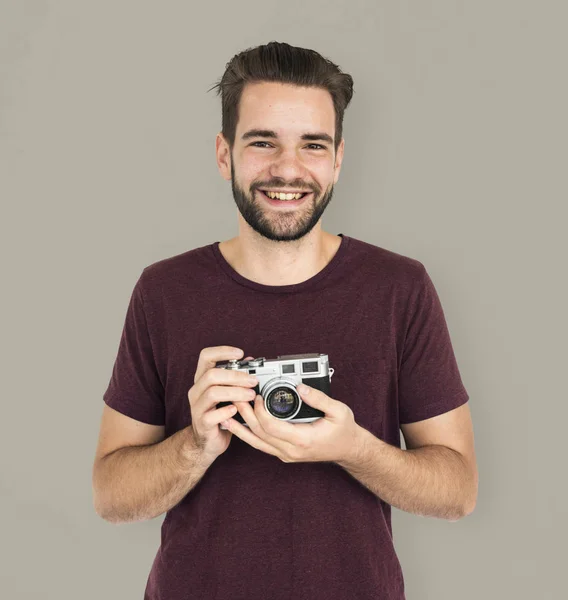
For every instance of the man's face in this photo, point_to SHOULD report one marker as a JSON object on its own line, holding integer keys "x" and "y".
{"x": 270, "y": 154}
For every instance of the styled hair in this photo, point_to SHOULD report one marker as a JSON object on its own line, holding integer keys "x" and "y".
{"x": 280, "y": 62}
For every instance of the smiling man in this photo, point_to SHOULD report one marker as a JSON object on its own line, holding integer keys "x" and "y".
{"x": 283, "y": 162}
{"x": 258, "y": 507}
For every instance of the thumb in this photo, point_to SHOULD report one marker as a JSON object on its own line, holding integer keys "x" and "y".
{"x": 317, "y": 399}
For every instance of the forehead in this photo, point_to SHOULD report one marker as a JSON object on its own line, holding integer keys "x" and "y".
{"x": 285, "y": 108}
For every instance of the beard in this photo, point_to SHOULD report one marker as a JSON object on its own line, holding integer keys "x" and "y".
{"x": 280, "y": 226}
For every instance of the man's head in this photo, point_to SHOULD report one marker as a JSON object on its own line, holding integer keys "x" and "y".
{"x": 274, "y": 99}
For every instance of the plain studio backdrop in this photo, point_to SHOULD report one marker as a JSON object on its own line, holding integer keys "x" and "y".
{"x": 455, "y": 155}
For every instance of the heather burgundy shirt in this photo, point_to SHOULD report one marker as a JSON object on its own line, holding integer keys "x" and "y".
{"x": 254, "y": 527}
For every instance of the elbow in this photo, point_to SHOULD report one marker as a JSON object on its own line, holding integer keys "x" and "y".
{"x": 101, "y": 509}
{"x": 465, "y": 509}
{"x": 461, "y": 512}
{"x": 468, "y": 505}
{"x": 106, "y": 513}
{"x": 97, "y": 496}
{"x": 472, "y": 497}
{"x": 105, "y": 509}
{"x": 101, "y": 504}
{"x": 110, "y": 511}
{"x": 102, "y": 514}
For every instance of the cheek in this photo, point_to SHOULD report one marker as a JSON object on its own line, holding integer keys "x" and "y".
{"x": 255, "y": 171}
{"x": 253, "y": 163}
{"x": 322, "y": 173}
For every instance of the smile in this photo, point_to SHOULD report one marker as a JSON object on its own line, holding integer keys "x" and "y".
{"x": 277, "y": 202}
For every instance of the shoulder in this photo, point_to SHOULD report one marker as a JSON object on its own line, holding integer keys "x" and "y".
{"x": 391, "y": 267}
{"x": 175, "y": 272}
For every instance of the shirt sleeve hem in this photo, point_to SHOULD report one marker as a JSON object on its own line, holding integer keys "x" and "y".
{"x": 126, "y": 408}
{"x": 438, "y": 408}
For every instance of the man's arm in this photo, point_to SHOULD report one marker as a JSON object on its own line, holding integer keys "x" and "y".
{"x": 135, "y": 476}
{"x": 436, "y": 476}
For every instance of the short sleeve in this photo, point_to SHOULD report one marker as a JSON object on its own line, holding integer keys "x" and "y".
{"x": 429, "y": 379}
{"x": 135, "y": 389}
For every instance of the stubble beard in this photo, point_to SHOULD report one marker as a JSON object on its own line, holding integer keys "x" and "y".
{"x": 281, "y": 226}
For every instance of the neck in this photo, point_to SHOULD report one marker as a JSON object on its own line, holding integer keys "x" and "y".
{"x": 280, "y": 263}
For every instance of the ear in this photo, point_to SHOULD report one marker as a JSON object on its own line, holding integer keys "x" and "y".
{"x": 338, "y": 160}
{"x": 223, "y": 156}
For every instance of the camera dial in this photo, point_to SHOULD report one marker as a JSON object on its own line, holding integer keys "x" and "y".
{"x": 256, "y": 362}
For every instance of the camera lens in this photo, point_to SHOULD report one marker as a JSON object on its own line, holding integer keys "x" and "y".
{"x": 282, "y": 402}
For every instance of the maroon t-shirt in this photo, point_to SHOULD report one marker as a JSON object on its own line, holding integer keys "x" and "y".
{"x": 255, "y": 527}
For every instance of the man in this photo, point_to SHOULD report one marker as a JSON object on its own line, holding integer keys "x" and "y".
{"x": 274, "y": 509}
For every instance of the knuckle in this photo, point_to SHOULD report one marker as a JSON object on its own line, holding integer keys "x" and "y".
{"x": 209, "y": 393}
{"x": 211, "y": 377}
{"x": 239, "y": 378}
{"x": 288, "y": 457}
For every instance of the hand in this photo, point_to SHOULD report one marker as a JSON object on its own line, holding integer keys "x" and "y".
{"x": 212, "y": 386}
{"x": 330, "y": 438}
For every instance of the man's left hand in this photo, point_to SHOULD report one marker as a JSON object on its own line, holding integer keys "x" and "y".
{"x": 331, "y": 438}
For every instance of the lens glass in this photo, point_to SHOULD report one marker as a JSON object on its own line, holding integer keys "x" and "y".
{"x": 282, "y": 402}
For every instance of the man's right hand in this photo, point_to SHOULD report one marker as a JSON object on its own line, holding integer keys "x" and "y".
{"x": 213, "y": 385}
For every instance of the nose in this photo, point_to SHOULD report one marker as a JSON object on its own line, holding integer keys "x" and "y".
{"x": 287, "y": 166}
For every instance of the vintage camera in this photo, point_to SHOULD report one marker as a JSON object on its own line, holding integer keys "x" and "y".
{"x": 277, "y": 381}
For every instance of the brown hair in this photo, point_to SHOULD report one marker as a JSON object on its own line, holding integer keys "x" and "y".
{"x": 278, "y": 61}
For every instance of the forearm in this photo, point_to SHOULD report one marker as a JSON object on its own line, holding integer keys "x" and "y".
{"x": 138, "y": 483}
{"x": 432, "y": 481}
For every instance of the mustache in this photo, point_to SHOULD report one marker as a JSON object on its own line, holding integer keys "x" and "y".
{"x": 284, "y": 189}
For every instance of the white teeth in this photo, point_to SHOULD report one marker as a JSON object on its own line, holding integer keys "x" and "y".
{"x": 277, "y": 196}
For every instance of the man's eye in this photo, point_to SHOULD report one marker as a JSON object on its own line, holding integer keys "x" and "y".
{"x": 318, "y": 145}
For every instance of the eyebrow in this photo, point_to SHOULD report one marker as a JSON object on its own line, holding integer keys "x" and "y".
{"x": 268, "y": 133}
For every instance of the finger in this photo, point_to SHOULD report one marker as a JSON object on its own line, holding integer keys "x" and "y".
{"x": 315, "y": 398}
{"x": 245, "y": 434}
{"x": 226, "y": 393}
{"x": 208, "y": 357}
{"x": 214, "y": 417}
{"x": 280, "y": 434}
{"x": 224, "y": 380}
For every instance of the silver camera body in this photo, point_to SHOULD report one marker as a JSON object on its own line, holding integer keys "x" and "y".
{"x": 278, "y": 379}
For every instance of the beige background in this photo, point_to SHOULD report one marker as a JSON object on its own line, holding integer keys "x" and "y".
{"x": 455, "y": 155}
